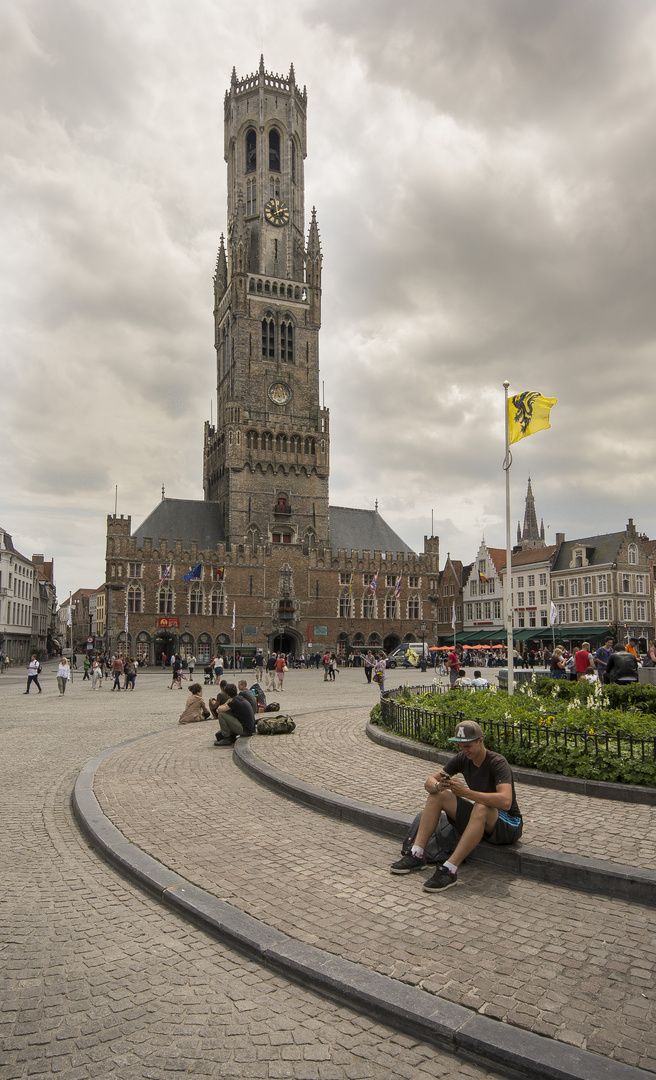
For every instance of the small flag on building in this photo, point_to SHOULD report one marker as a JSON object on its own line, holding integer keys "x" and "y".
{"x": 373, "y": 583}
{"x": 397, "y": 587}
{"x": 453, "y": 615}
{"x": 553, "y": 615}
{"x": 166, "y": 573}
{"x": 195, "y": 574}
{"x": 482, "y": 577}
{"x": 233, "y": 616}
{"x": 218, "y": 573}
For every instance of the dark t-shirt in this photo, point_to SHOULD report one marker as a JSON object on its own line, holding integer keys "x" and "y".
{"x": 242, "y": 711}
{"x": 249, "y": 696}
{"x": 493, "y": 770}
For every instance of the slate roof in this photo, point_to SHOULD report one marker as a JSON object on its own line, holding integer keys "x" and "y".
{"x": 363, "y": 530}
{"x": 604, "y": 549}
{"x": 530, "y": 555}
{"x": 195, "y": 519}
{"x": 186, "y": 520}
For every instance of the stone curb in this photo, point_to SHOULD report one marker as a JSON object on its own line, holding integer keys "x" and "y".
{"x": 597, "y": 789}
{"x": 480, "y": 1039}
{"x": 540, "y": 864}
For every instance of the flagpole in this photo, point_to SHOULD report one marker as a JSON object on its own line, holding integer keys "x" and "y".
{"x": 507, "y": 590}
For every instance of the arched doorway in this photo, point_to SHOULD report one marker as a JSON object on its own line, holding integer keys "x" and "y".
{"x": 165, "y": 642}
{"x": 285, "y": 641}
{"x": 391, "y": 642}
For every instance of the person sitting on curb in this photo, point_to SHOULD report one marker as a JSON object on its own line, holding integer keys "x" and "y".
{"x": 195, "y": 710}
{"x": 484, "y": 807}
{"x": 235, "y": 718}
{"x": 247, "y": 694}
{"x": 220, "y": 698}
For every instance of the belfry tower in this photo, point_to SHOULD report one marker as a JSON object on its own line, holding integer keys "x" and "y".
{"x": 267, "y": 460}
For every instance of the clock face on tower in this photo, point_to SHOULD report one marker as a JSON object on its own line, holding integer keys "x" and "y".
{"x": 279, "y": 393}
{"x": 276, "y": 212}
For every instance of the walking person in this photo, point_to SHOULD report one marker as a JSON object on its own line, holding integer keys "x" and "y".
{"x": 63, "y": 675}
{"x": 33, "y": 672}
{"x": 117, "y": 671}
{"x": 176, "y": 676}
{"x": 281, "y": 668}
{"x": 86, "y": 664}
{"x": 96, "y": 675}
{"x": 379, "y": 672}
{"x": 271, "y": 671}
{"x": 191, "y": 664}
{"x": 369, "y": 664}
{"x": 130, "y": 672}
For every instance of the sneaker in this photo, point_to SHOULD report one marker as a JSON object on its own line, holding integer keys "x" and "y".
{"x": 407, "y": 864}
{"x": 441, "y": 879}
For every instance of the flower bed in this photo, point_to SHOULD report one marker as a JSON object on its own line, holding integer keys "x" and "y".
{"x": 567, "y": 728}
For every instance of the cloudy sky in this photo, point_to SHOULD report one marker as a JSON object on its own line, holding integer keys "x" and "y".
{"x": 483, "y": 174}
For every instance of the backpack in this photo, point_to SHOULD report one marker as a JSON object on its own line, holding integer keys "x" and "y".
{"x": 278, "y": 725}
{"x": 260, "y": 696}
{"x": 440, "y": 845}
{"x": 273, "y": 706}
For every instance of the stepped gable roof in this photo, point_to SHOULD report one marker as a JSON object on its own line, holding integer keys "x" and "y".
{"x": 185, "y": 520}
{"x": 498, "y": 556}
{"x": 363, "y": 530}
{"x": 601, "y": 549}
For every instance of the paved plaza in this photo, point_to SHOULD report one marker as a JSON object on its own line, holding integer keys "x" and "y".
{"x": 101, "y": 980}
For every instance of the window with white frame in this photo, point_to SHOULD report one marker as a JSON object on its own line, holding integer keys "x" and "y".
{"x": 520, "y": 582}
{"x": 641, "y": 611}
{"x": 165, "y": 600}
{"x": 531, "y": 598}
{"x": 497, "y": 609}
{"x": 478, "y": 611}
{"x": 473, "y": 588}
{"x": 543, "y": 579}
{"x": 390, "y": 579}
{"x": 490, "y": 585}
{"x": 587, "y": 612}
{"x": 390, "y": 607}
{"x": 626, "y": 583}
{"x": 602, "y": 611}
{"x": 587, "y": 586}
{"x": 520, "y": 599}
{"x": 543, "y": 596}
{"x": 530, "y": 581}
{"x": 560, "y": 608}
{"x": 627, "y": 610}
{"x": 574, "y": 613}
{"x": 134, "y": 569}
{"x": 632, "y": 555}
{"x": 196, "y": 600}
{"x": 487, "y": 610}
{"x": 639, "y": 584}
{"x": 217, "y": 602}
{"x": 573, "y": 587}
{"x": 368, "y": 606}
{"x": 134, "y": 599}
{"x": 532, "y": 618}
{"x": 345, "y": 578}
{"x": 413, "y": 608}
{"x": 345, "y": 607}
{"x": 602, "y": 583}
{"x": 560, "y": 588}
{"x": 468, "y": 612}
{"x": 543, "y": 619}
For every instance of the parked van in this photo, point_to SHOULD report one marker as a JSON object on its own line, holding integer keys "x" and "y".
{"x": 399, "y": 658}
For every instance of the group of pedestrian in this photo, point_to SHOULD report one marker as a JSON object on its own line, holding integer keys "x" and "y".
{"x": 234, "y": 708}
{"x": 611, "y": 663}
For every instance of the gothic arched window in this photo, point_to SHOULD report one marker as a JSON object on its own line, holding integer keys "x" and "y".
{"x": 165, "y": 600}
{"x": 267, "y": 440}
{"x": 633, "y": 554}
{"x": 217, "y": 602}
{"x": 287, "y": 341}
{"x": 251, "y": 150}
{"x": 281, "y": 443}
{"x": 274, "y": 150}
{"x": 134, "y": 599}
{"x": 252, "y": 440}
{"x": 268, "y": 340}
{"x": 413, "y": 607}
{"x": 196, "y": 601}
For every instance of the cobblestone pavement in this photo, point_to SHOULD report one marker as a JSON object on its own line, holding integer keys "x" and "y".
{"x": 561, "y": 963}
{"x": 98, "y": 980}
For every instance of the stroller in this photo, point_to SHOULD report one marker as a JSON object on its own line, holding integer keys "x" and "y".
{"x": 209, "y": 675}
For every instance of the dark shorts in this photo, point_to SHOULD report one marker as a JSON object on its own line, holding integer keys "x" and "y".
{"x": 503, "y": 832}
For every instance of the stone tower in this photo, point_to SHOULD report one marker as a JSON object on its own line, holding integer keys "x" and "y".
{"x": 266, "y": 463}
{"x": 530, "y": 537}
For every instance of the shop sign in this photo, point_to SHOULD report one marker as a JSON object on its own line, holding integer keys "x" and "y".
{"x": 168, "y": 621}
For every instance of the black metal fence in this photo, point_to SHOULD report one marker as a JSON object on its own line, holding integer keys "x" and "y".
{"x": 413, "y": 723}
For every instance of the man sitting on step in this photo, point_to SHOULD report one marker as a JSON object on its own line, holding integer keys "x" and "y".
{"x": 484, "y": 807}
